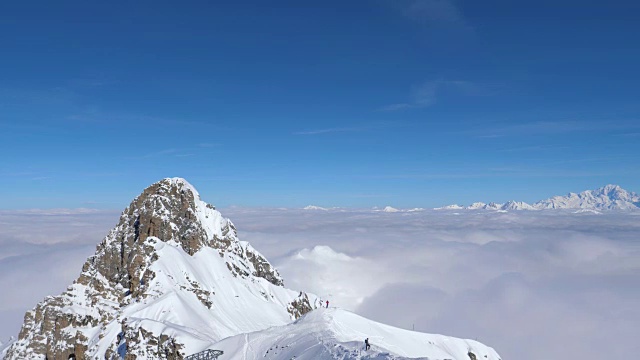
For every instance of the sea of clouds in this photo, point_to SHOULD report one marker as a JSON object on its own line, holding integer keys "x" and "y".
{"x": 532, "y": 284}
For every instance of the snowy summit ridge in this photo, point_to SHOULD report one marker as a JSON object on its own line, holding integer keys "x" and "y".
{"x": 338, "y": 334}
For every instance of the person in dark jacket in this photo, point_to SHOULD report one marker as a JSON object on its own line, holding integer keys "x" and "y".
{"x": 366, "y": 344}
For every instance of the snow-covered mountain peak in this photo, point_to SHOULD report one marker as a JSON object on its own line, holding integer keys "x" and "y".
{"x": 476, "y": 206}
{"x": 313, "y": 207}
{"x": 171, "y": 278}
{"x": 613, "y": 191}
{"x": 516, "y": 205}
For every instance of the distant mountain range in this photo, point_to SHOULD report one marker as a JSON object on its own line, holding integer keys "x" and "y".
{"x": 609, "y": 197}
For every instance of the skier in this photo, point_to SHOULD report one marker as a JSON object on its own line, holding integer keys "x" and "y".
{"x": 327, "y": 304}
{"x": 366, "y": 344}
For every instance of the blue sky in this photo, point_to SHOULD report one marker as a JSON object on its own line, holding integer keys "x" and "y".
{"x": 284, "y": 103}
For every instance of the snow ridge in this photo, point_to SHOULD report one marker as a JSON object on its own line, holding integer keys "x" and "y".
{"x": 339, "y": 334}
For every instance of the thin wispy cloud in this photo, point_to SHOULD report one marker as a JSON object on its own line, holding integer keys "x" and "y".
{"x": 631, "y": 134}
{"x": 422, "y": 96}
{"x": 154, "y": 154}
{"x": 107, "y": 118}
{"x": 55, "y": 211}
{"x": 550, "y": 128}
{"x": 427, "y": 94}
{"x": 329, "y": 130}
{"x": 570, "y": 168}
{"x": 20, "y": 128}
{"x": 29, "y": 175}
{"x": 98, "y": 174}
{"x": 434, "y": 13}
{"x": 378, "y": 125}
{"x": 177, "y": 153}
{"x": 53, "y": 96}
{"x": 208, "y": 145}
{"x": 368, "y": 196}
{"x": 535, "y": 148}
{"x": 91, "y": 83}
{"x": 19, "y": 173}
{"x": 546, "y": 170}
{"x": 590, "y": 160}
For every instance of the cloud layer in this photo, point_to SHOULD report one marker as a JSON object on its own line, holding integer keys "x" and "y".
{"x": 534, "y": 285}
{"x": 42, "y": 253}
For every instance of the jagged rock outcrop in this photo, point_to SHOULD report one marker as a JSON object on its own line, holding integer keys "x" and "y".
{"x": 299, "y": 306}
{"x": 169, "y": 247}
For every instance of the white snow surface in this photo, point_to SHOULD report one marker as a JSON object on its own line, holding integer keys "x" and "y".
{"x": 239, "y": 305}
{"x": 339, "y": 334}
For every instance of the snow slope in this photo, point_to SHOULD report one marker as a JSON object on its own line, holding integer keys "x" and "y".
{"x": 339, "y": 334}
{"x": 238, "y": 305}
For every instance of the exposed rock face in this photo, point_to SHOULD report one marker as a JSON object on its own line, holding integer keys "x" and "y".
{"x": 299, "y": 306}
{"x": 120, "y": 274}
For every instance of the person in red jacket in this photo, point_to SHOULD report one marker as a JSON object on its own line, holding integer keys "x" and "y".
{"x": 327, "y": 304}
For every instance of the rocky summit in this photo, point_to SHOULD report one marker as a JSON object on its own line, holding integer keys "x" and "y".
{"x": 169, "y": 280}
